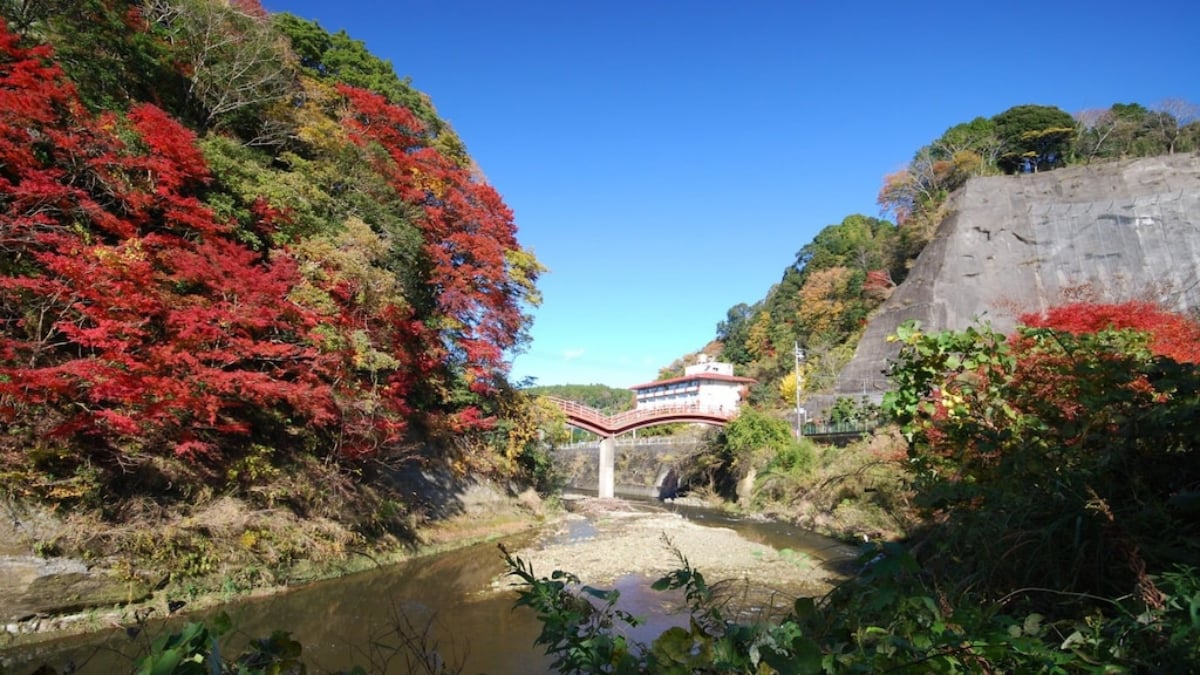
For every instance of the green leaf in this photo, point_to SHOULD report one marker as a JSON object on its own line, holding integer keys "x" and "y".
{"x": 1033, "y": 624}
{"x": 674, "y": 645}
{"x": 161, "y": 663}
{"x": 806, "y": 656}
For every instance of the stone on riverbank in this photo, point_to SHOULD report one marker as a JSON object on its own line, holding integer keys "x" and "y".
{"x": 42, "y": 587}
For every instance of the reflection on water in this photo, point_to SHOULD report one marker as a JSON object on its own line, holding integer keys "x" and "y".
{"x": 444, "y": 599}
{"x": 574, "y": 529}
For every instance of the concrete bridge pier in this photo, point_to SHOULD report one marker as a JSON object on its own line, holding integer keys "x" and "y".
{"x": 608, "y": 453}
{"x": 608, "y": 426}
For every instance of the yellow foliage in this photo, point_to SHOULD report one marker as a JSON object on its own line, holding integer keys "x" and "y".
{"x": 787, "y": 387}
{"x": 118, "y": 257}
{"x": 315, "y": 123}
{"x": 759, "y": 339}
{"x": 967, "y": 163}
{"x": 531, "y": 420}
{"x": 822, "y": 299}
{"x": 523, "y": 270}
{"x": 355, "y": 255}
{"x": 248, "y": 539}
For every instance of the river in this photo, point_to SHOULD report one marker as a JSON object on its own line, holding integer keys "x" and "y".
{"x": 447, "y": 600}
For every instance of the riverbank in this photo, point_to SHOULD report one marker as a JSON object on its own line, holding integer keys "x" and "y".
{"x": 47, "y": 596}
{"x": 244, "y": 550}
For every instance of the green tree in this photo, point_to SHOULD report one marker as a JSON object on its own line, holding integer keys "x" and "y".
{"x": 606, "y": 399}
{"x": 859, "y": 242}
{"x": 978, "y": 137}
{"x": 749, "y": 441}
{"x": 734, "y": 332}
{"x": 1034, "y": 137}
{"x": 109, "y": 56}
{"x": 344, "y": 59}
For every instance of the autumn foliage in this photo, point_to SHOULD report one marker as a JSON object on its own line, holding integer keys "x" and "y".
{"x": 129, "y": 312}
{"x": 1074, "y": 439}
{"x": 1170, "y": 334}
{"x": 137, "y": 319}
{"x": 467, "y": 231}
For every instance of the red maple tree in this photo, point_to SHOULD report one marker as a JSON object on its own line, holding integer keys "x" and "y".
{"x": 467, "y": 230}
{"x": 128, "y": 311}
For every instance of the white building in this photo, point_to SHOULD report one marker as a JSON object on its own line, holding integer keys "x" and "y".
{"x": 708, "y": 385}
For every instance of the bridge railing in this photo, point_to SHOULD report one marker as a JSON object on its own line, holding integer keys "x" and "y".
{"x": 830, "y": 429}
{"x": 628, "y": 418}
{"x": 638, "y": 415}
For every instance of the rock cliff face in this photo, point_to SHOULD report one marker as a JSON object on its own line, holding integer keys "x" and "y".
{"x": 1014, "y": 244}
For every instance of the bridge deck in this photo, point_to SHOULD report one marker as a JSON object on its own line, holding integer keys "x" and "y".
{"x": 593, "y": 420}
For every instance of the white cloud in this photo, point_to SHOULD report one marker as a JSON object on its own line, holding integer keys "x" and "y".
{"x": 572, "y": 354}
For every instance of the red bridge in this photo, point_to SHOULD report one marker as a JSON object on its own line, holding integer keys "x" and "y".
{"x": 608, "y": 427}
{"x": 590, "y": 419}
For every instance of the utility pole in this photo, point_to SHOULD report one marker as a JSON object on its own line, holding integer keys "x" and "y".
{"x": 799, "y": 353}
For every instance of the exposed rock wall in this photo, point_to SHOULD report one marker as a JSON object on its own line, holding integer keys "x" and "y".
{"x": 1013, "y": 244}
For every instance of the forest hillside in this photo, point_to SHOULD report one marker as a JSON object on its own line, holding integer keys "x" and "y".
{"x": 240, "y": 258}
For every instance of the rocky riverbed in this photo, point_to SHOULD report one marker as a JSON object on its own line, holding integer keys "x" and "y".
{"x": 603, "y": 540}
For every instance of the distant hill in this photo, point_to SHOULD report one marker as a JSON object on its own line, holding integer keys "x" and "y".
{"x": 607, "y": 400}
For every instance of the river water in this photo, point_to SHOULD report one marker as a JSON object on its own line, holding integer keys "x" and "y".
{"x": 446, "y": 601}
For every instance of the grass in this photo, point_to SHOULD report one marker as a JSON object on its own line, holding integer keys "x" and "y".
{"x": 857, "y": 491}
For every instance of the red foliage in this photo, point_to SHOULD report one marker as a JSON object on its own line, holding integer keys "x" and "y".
{"x": 173, "y": 163}
{"x": 129, "y": 313}
{"x": 878, "y": 285}
{"x": 1172, "y": 335}
{"x": 467, "y": 228}
{"x": 252, "y": 8}
{"x": 126, "y": 309}
{"x": 1063, "y": 386}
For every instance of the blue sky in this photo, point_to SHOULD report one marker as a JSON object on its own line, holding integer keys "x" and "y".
{"x": 666, "y": 160}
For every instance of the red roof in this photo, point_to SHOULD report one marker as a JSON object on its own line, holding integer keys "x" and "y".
{"x": 698, "y": 376}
